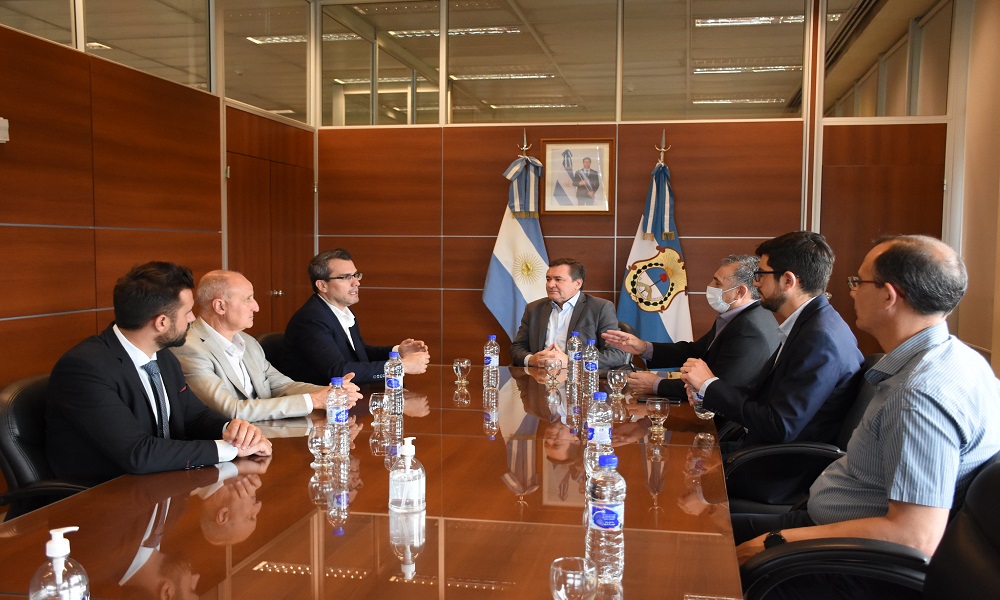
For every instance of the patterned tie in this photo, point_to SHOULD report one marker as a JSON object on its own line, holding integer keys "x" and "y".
{"x": 159, "y": 395}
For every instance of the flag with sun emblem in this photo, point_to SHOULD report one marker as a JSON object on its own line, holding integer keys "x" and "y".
{"x": 654, "y": 296}
{"x": 516, "y": 274}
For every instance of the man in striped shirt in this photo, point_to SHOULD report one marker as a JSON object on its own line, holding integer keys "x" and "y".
{"x": 934, "y": 419}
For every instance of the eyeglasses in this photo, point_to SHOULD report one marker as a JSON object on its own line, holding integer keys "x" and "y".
{"x": 758, "y": 274}
{"x": 854, "y": 282}
{"x": 347, "y": 277}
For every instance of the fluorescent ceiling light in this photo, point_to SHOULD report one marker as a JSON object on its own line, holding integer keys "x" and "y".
{"x": 282, "y": 111}
{"x": 301, "y": 39}
{"x": 748, "y": 21}
{"x": 97, "y": 46}
{"x": 705, "y": 100}
{"x": 520, "y": 106}
{"x": 408, "y": 33}
{"x": 500, "y": 76}
{"x": 746, "y": 69}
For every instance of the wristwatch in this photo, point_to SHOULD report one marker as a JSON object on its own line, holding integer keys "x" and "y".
{"x": 774, "y": 539}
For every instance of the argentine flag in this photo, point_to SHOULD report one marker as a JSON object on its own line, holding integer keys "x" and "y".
{"x": 654, "y": 296}
{"x": 516, "y": 274}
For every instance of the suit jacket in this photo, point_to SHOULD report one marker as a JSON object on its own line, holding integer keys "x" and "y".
{"x": 100, "y": 424}
{"x": 591, "y": 317}
{"x": 591, "y": 181}
{"x": 320, "y": 350}
{"x": 806, "y": 393}
{"x": 213, "y": 379}
{"x": 737, "y": 356}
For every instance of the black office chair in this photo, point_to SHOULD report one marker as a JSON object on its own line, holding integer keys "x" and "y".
{"x": 775, "y": 477}
{"x": 629, "y": 329}
{"x": 966, "y": 563}
{"x": 275, "y": 350}
{"x": 30, "y": 482}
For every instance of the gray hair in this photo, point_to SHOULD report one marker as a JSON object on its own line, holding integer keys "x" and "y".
{"x": 744, "y": 274}
{"x": 214, "y": 284}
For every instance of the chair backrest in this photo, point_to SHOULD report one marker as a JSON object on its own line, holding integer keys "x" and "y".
{"x": 866, "y": 392}
{"x": 966, "y": 563}
{"x": 22, "y": 432}
{"x": 275, "y": 350}
{"x": 628, "y": 329}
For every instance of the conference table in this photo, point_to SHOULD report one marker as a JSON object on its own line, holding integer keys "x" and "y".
{"x": 501, "y": 505}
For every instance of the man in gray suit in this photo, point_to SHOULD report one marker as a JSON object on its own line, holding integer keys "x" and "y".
{"x": 226, "y": 367}
{"x": 547, "y": 323}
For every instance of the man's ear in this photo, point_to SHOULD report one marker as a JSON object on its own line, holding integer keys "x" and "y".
{"x": 161, "y": 322}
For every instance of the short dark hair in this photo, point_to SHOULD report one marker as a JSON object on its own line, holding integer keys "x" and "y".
{"x": 744, "y": 274}
{"x": 804, "y": 253}
{"x": 576, "y": 268}
{"x": 149, "y": 290}
{"x": 319, "y": 266}
{"x": 927, "y": 272}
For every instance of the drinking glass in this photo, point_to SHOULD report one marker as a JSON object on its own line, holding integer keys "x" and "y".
{"x": 552, "y": 367}
{"x": 617, "y": 378}
{"x": 321, "y": 441}
{"x": 657, "y": 410}
{"x": 461, "y": 397}
{"x": 461, "y": 367}
{"x": 573, "y": 578}
{"x": 378, "y": 439}
{"x": 376, "y": 405}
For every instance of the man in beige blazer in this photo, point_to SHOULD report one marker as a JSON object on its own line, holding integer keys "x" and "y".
{"x": 226, "y": 367}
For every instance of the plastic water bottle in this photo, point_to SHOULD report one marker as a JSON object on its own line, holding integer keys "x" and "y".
{"x": 699, "y": 405}
{"x": 393, "y": 428}
{"x": 337, "y": 410}
{"x": 60, "y": 577}
{"x": 598, "y": 432}
{"x": 574, "y": 355}
{"x": 339, "y": 493}
{"x": 591, "y": 381}
{"x": 491, "y": 363}
{"x": 407, "y": 534}
{"x": 407, "y": 480}
{"x": 606, "y": 507}
{"x": 394, "y": 384}
{"x": 491, "y": 412}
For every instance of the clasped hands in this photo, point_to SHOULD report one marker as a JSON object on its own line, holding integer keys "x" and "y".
{"x": 415, "y": 356}
{"x": 247, "y": 438}
{"x": 353, "y": 394}
{"x": 549, "y": 352}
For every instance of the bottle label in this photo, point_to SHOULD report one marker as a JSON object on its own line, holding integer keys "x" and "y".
{"x": 487, "y": 417}
{"x": 393, "y": 383}
{"x": 577, "y": 356}
{"x": 341, "y": 499}
{"x": 340, "y": 415}
{"x": 609, "y": 517}
{"x": 599, "y": 435}
{"x": 590, "y": 366}
{"x": 486, "y": 360}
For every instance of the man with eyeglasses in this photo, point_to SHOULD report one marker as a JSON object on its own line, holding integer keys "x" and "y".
{"x": 804, "y": 391}
{"x": 740, "y": 341}
{"x": 933, "y": 422}
{"x": 324, "y": 338}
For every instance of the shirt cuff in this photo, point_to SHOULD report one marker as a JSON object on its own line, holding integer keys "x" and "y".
{"x": 227, "y": 451}
{"x": 227, "y": 470}
{"x": 527, "y": 360}
{"x": 309, "y": 403}
{"x": 395, "y": 348}
{"x": 705, "y": 385}
{"x": 648, "y": 352}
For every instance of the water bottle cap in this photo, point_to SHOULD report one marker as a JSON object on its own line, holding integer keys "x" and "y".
{"x": 58, "y": 545}
{"x": 337, "y": 381}
{"x": 393, "y": 354}
{"x": 338, "y": 531}
{"x": 608, "y": 461}
{"x": 600, "y": 396}
{"x": 574, "y": 334}
{"x": 591, "y": 341}
{"x": 491, "y": 338}
{"x": 491, "y": 437}
{"x": 408, "y": 449}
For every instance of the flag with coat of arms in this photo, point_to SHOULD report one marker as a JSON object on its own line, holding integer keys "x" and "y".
{"x": 654, "y": 297}
{"x": 516, "y": 274}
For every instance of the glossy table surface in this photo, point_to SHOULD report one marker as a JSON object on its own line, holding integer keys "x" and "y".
{"x": 498, "y": 512}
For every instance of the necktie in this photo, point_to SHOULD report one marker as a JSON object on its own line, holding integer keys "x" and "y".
{"x": 159, "y": 395}
{"x": 156, "y": 535}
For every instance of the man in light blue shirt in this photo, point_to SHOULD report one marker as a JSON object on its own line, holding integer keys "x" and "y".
{"x": 933, "y": 422}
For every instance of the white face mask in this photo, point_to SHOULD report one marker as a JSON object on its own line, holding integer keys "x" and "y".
{"x": 714, "y": 297}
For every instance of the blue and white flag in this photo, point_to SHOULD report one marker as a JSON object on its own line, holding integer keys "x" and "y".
{"x": 654, "y": 296}
{"x": 516, "y": 274}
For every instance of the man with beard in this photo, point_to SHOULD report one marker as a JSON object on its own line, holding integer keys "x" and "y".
{"x": 116, "y": 404}
{"x": 809, "y": 383}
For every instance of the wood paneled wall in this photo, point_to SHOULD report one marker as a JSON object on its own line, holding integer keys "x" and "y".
{"x": 106, "y": 167}
{"x": 420, "y": 209}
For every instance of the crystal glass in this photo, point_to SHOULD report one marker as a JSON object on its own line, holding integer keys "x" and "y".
{"x": 552, "y": 367}
{"x": 657, "y": 411}
{"x": 461, "y": 367}
{"x": 321, "y": 441}
{"x": 573, "y": 578}
{"x": 617, "y": 378}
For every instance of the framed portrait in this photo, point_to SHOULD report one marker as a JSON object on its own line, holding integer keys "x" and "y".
{"x": 579, "y": 176}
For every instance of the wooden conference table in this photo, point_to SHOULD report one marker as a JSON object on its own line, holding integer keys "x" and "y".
{"x": 498, "y": 512}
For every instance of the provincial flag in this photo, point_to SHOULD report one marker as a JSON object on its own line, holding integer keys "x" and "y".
{"x": 516, "y": 274}
{"x": 654, "y": 296}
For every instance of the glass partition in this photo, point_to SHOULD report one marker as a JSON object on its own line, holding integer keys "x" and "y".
{"x": 49, "y": 19}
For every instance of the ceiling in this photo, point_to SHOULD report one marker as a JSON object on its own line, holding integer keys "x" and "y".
{"x": 509, "y": 60}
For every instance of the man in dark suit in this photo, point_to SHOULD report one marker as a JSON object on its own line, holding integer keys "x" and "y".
{"x": 324, "y": 338}
{"x": 117, "y": 404}
{"x": 806, "y": 388}
{"x": 736, "y": 348}
{"x": 547, "y": 323}
{"x": 586, "y": 181}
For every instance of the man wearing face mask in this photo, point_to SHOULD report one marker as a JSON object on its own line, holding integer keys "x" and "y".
{"x": 740, "y": 341}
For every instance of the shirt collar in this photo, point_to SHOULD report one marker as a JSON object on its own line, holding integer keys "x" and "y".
{"x": 730, "y": 314}
{"x": 571, "y": 303}
{"x": 893, "y": 362}
{"x": 786, "y": 327}
{"x": 345, "y": 316}
{"x": 139, "y": 358}
{"x": 234, "y": 347}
